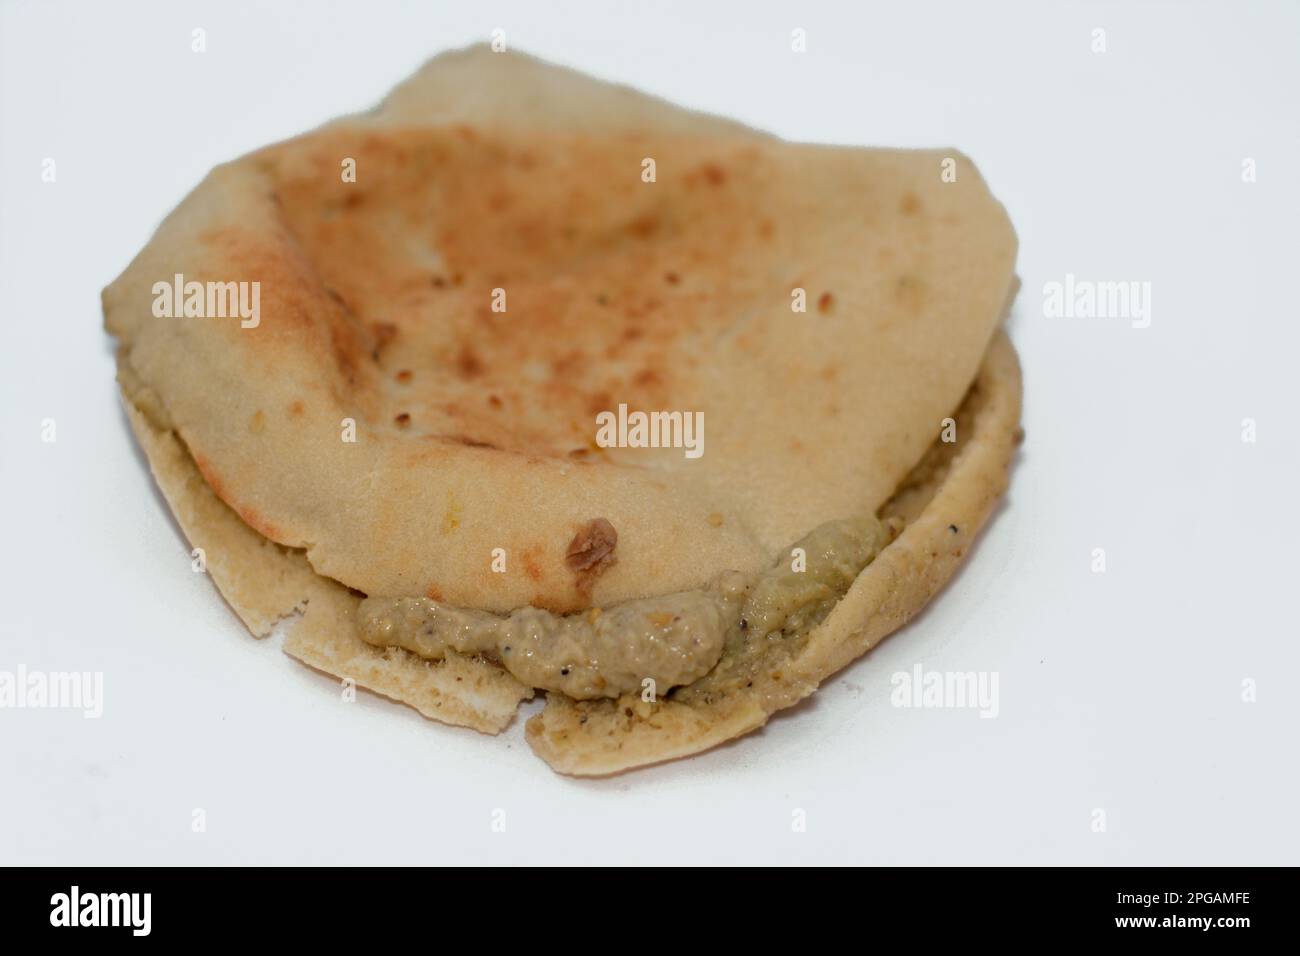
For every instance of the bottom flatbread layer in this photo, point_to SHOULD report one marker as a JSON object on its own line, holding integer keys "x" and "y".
{"x": 944, "y": 503}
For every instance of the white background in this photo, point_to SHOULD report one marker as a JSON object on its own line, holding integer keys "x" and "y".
{"x": 1120, "y": 691}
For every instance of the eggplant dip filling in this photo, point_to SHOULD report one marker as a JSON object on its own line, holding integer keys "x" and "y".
{"x": 713, "y": 635}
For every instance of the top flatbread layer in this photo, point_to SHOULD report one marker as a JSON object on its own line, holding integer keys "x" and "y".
{"x": 475, "y": 428}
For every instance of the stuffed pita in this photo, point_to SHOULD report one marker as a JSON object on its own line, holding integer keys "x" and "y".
{"x": 528, "y": 382}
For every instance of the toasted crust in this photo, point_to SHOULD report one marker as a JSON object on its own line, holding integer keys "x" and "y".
{"x": 952, "y": 489}
{"x": 475, "y": 429}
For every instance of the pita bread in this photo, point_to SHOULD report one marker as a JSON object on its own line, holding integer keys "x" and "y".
{"x": 474, "y": 428}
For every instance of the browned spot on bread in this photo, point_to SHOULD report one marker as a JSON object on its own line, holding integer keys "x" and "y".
{"x": 346, "y": 347}
{"x": 433, "y": 592}
{"x": 714, "y": 174}
{"x": 403, "y": 419}
{"x": 766, "y": 229}
{"x": 469, "y": 442}
{"x": 643, "y": 227}
{"x": 451, "y": 514}
{"x": 384, "y": 332}
{"x": 825, "y": 302}
{"x": 403, "y": 376}
{"x": 254, "y": 520}
{"x": 570, "y": 364}
{"x": 494, "y": 401}
{"x": 296, "y": 408}
{"x": 910, "y": 204}
{"x": 672, "y": 278}
{"x": 530, "y": 559}
{"x": 591, "y": 551}
{"x": 468, "y": 363}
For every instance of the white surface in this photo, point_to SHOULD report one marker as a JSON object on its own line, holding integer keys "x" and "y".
{"x": 1119, "y": 691}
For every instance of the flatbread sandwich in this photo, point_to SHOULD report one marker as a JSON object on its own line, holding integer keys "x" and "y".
{"x": 527, "y": 382}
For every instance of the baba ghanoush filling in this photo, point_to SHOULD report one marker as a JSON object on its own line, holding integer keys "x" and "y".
{"x": 703, "y": 640}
